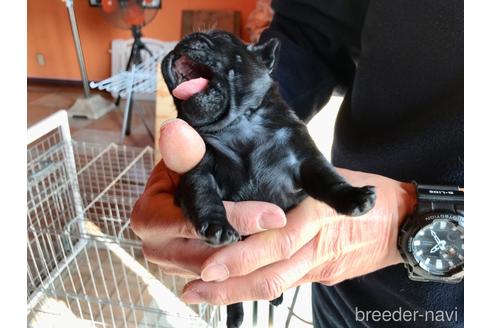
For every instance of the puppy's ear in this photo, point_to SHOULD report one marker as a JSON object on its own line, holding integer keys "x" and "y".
{"x": 267, "y": 52}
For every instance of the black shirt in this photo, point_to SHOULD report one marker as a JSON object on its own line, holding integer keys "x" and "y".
{"x": 401, "y": 64}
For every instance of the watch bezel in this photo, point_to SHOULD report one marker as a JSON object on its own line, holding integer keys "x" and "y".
{"x": 408, "y": 231}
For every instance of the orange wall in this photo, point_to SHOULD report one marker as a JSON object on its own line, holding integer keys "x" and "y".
{"x": 49, "y": 33}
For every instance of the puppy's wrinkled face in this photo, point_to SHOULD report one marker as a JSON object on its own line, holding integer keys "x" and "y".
{"x": 214, "y": 76}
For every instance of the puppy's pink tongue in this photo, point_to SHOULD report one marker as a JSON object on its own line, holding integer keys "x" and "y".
{"x": 188, "y": 88}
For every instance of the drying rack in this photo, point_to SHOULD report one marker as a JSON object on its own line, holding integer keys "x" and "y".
{"x": 140, "y": 79}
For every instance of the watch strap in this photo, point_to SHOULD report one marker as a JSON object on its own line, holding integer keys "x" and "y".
{"x": 440, "y": 198}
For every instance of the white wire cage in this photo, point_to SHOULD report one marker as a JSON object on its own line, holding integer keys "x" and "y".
{"x": 85, "y": 265}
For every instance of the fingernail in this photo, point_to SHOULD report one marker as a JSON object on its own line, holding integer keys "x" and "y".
{"x": 163, "y": 124}
{"x": 271, "y": 220}
{"x": 215, "y": 272}
{"x": 191, "y": 297}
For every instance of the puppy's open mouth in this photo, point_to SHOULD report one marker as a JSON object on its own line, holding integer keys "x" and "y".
{"x": 191, "y": 77}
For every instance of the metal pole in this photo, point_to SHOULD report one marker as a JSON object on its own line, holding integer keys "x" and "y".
{"x": 255, "y": 314}
{"x": 291, "y": 310}
{"x": 125, "y": 130}
{"x": 78, "y": 47}
{"x": 271, "y": 315}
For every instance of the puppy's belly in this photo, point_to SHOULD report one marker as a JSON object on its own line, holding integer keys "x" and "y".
{"x": 276, "y": 191}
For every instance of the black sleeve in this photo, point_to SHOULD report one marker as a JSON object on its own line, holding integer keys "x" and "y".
{"x": 320, "y": 43}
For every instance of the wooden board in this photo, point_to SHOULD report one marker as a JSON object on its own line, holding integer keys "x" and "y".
{"x": 196, "y": 20}
{"x": 164, "y": 110}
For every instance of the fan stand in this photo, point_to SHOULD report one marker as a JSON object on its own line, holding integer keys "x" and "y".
{"x": 90, "y": 106}
{"x": 134, "y": 59}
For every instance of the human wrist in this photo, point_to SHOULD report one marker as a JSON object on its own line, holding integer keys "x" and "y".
{"x": 405, "y": 199}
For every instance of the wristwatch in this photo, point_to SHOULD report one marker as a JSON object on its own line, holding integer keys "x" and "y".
{"x": 431, "y": 239}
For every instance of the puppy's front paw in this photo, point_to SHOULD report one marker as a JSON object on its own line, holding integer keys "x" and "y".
{"x": 218, "y": 234}
{"x": 353, "y": 201}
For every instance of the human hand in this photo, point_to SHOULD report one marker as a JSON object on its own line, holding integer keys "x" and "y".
{"x": 168, "y": 238}
{"x": 316, "y": 245}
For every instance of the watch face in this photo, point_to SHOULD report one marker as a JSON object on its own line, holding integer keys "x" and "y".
{"x": 439, "y": 247}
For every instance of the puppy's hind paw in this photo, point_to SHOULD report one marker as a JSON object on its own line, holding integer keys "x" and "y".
{"x": 218, "y": 234}
{"x": 277, "y": 301}
{"x": 353, "y": 201}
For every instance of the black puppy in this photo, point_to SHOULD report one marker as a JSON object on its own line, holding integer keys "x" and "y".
{"x": 256, "y": 147}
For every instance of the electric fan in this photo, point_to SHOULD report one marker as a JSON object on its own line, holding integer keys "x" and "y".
{"x": 132, "y": 15}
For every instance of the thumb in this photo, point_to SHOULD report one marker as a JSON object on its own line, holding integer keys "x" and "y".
{"x": 249, "y": 217}
{"x": 180, "y": 145}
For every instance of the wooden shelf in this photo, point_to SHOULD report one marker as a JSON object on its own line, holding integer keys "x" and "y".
{"x": 164, "y": 110}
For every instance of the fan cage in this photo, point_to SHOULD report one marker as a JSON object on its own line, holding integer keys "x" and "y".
{"x": 85, "y": 264}
{"x": 124, "y": 14}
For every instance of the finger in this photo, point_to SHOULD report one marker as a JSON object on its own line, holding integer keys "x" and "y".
{"x": 321, "y": 274}
{"x": 171, "y": 254}
{"x": 266, "y": 283}
{"x": 251, "y": 217}
{"x": 156, "y": 216}
{"x": 245, "y": 216}
{"x": 170, "y": 270}
{"x": 180, "y": 145}
{"x": 323, "y": 267}
{"x": 329, "y": 273}
{"x": 264, "y": 248}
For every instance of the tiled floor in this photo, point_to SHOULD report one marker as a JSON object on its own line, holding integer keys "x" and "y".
{"x": 43, "y": 100}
